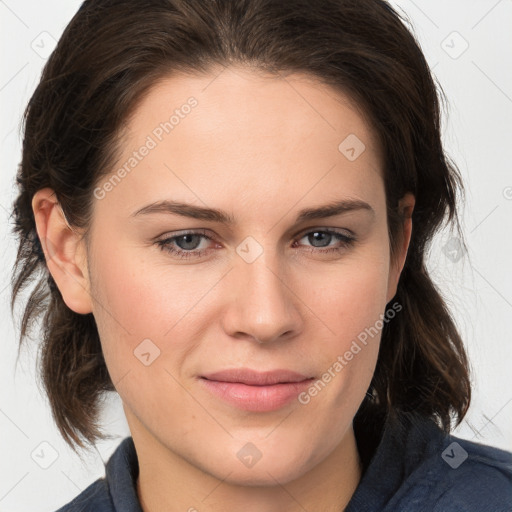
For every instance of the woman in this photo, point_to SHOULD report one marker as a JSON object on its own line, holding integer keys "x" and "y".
{"x": 181, "y": 162}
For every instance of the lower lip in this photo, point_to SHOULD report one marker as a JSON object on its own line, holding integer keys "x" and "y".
{"x": 256, "y": 398}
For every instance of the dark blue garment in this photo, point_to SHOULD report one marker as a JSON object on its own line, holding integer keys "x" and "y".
{"x": 416, "y": 467}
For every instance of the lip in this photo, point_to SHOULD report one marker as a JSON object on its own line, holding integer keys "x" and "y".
{"x": 256, "y": 391}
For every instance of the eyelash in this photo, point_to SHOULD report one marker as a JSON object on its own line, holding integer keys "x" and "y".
{"x": 165, "y": 244}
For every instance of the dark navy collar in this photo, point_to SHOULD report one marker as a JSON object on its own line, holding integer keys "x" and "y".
{"x": 407, "y": 440}
{"x": 121, "y": 473}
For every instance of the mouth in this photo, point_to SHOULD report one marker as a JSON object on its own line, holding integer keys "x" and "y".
{"x": 255, "y": 391}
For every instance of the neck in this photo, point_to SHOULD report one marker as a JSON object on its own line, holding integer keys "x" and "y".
{"x": 168, "y": 482}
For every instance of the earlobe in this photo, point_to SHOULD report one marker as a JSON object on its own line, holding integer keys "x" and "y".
{"x": 406, "y": 207}
{"x": 63, "y": 250}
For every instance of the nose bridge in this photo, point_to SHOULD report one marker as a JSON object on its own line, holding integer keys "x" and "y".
{"x": 263, "y": 306}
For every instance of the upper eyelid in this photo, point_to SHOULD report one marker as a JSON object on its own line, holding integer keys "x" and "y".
{"x": 338, "y": 231}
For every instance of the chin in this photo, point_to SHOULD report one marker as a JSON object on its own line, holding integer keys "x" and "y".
{"x": 251, "y": 467}
{"x": 266, "y": 475}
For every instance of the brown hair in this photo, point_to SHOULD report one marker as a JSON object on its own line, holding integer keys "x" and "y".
{"x": 109, "y": 56}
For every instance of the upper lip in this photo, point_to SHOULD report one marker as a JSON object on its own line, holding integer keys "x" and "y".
{"x": 256, "y": 378}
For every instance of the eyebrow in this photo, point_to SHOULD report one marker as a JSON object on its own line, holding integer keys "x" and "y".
{"x": 222, "y": 217}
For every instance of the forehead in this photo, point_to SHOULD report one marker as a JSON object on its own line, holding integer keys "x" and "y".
{"x": 237, "y": 131}
{"x": 239, "y": 97}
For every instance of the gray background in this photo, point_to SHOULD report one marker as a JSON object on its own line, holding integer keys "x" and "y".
{"x": 467, "y": 44}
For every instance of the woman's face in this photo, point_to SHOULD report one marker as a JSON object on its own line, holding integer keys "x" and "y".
{"x": 265, "y": 286}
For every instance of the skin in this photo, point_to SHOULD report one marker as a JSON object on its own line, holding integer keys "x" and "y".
{"x": 261, "y": 148}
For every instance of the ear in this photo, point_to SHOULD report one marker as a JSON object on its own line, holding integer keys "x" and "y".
{"x": 64, "y": 251}
{"x": 405, "y": 207}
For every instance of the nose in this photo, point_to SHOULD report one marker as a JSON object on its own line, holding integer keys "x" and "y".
{"x": 263, "y": 306}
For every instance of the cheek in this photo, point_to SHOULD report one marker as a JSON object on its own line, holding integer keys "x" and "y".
{"x": 144, "y": 332}
{"x": 138, "y": 301}
{"x": 350, "y": 296}
{"x": 351, "y": 302}
{"x": 143, "y": 294}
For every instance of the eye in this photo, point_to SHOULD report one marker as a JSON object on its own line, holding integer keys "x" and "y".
{"x": 324, "y": 237}
{"x": 187, "y": 244}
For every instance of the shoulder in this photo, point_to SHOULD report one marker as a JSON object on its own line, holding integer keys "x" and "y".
{"x": 419, "y": 467}
{"x": 94, "y": 498}
{"x": 460, "y": 475}
{"x": 116, "y": 491}
{"x": 472, "y": 477}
